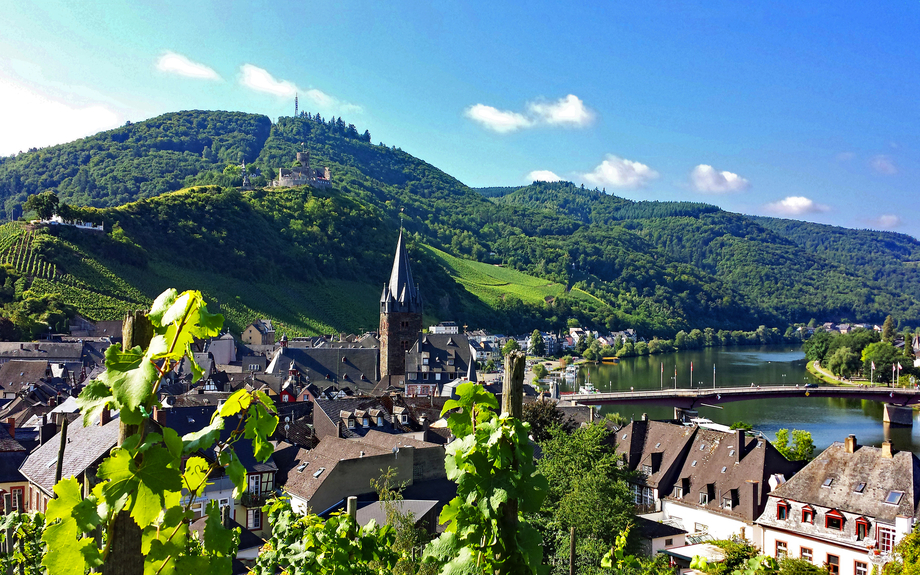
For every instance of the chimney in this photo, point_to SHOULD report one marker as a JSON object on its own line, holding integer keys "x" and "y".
{"x": 424, "y": 422}
{"x": 754, "y": 490}
{"x": 11, "y": 423}
{"x": 105, "y": 416}
{"x": 644, "y": 417}
{"x": 46, "y": 431}
{"x": 851, "y": 443}
{"x": 739, "y": 445}
{"x": 887, "y": 452}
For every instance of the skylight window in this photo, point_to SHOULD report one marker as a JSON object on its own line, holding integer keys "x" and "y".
{"x": 827, "y": 482}
{"x": 894, "y": 497}
{"x": 702, "y": 447}
{"x": 318, "y": 473}
{"x": 693, "y": 464}
{"x": 731, "y": 453}
{"x": 723, "y": 469}
{"x": 657, "y": 445}
{"x": 625, "y": 435}
{"x": 860, "y": 487}
{"x": 301, "y": 467}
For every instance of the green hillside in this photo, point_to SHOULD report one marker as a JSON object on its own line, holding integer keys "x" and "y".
{"x": 290, "y": 254}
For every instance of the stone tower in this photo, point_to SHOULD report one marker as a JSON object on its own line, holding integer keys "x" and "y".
{"x": 400, "y": 314}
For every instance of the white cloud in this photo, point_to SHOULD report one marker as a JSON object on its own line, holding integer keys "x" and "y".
{"x": 886, "y": 221}
{"x": 705, "y": 178}
{"x": 569, "y": 111}
{"x": 500, "y": 121}
{"x": 621, "y": 173}
{"x": 542, "y": 176}
{"x": 796, "y": 206}
{"x": 845, "y": 156}
{"x": 565, "y": 111}
{"x": 883, "y": 165}
{"x": 260, "y": 80}
{"x": 173, "y": 63}
{"x": 34, "y": 119}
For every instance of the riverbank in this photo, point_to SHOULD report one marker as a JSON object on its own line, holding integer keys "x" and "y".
{"x": 821, "y": 374}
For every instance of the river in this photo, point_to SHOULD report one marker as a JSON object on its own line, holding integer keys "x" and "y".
{"x": 827, "y": 419}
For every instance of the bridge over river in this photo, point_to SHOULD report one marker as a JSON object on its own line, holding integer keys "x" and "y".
{"x": 897, "y": 400}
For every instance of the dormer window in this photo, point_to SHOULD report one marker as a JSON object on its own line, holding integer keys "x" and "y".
{"x": 351, "y": 423}
{"x": 380, "y": 420}
{"x": 833, "y": 520}
{"x": 808, "y": 515}
{"x": 404, "y": 418}
{"x": 704, "y": 498}
{"x": 366, "y": 422}
{"x": 862, "y": 528}
{"x": 782, "y": 511}
{"x": 647, "y": 469}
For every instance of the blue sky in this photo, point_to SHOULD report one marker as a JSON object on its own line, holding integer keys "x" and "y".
{"x": 801, "y": 110}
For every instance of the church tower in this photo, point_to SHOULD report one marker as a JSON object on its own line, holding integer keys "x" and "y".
{"x": 400, "y": 314}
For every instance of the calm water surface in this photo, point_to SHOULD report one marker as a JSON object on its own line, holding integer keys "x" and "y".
{"x": 827, "y": 419}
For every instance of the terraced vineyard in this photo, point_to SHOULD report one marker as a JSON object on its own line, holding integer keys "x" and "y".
{"x": 491, "y": 283}
{"x": 17, "y": 251}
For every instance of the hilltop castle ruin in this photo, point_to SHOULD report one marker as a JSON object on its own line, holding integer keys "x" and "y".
{"x": 303, "y": 175}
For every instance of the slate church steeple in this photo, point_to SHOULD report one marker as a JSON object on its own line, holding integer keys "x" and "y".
{"x": 400, "y": 314}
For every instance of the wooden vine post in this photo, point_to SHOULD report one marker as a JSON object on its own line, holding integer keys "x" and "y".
{"x": 513, "y": 404}
{"x": 125, "y": 557}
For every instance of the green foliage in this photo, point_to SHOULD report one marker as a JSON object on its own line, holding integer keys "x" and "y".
{"x": 409, "y": 540}
{"x": 539, "y": 371}
{"x": 492, "y": 463}
{"x": 307, "y": 544}
{"x": 906, "y": 556}
{"x": 886, "y": 357}
{"x": 44, "y": 204}
{"x": 844, "y": 362}
{"x": 26, "y": 530}
{"x": 742, "y": 425}
{"x": 537, "y": 345}
{"x": 543, "y": 416}
{"x": 583, "y": 475}
{"x": 802, "y": 448}
{"x": 790, "y": 566}
{"x": 144, "y": 476}
{"x": 510, "y": 345}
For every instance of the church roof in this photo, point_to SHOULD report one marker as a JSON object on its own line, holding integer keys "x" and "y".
{"x": 401, "y": 289}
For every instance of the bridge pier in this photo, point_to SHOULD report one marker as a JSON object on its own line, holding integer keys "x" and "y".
{"x": 684, "y": 415}
{"x": 898, "y": 415}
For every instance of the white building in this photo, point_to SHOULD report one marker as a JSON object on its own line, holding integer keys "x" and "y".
{"x": 846, "y": 509}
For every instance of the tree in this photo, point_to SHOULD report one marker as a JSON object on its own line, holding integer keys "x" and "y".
{"x": 544, "y": 416}
{"x": 906, "y": 556}
{"x": 844, "y": 362}
{"x": 742, "y": 425}
{"x": 802, "y": 448}
{"x": 884, "y": 355}
{"x": 510, "y": 345}
{"x": 537, "y": 345}
{"x": 817, "y": 345}
{"x": 409, "y": 540}
{"x": 539, "y": 371}
{"x": 888, "y": 330}
{"x": 44, "y": 204}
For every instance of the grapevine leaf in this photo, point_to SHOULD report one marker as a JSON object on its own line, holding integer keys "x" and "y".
{"x": 235, "y": 471}
{"x": 66, "y": 554}
{"x": 158, "y": 474}
{"x": 131, "y": 376}
{"x": 196, "y": 472}
{"x": 70, "y": 503}
{"x": 119, "y": 469}
{"x": 206, "y": 324}
{"x": 259, "y": 426}
{"x": 163, "y": 543}
{"x": 218, "y": 540}
{"x": 197, "y": 372}
{"x": 236, "y": 403}
{"x": 94, "y": 397}
{"x": 203, "y": 438}
{"x": 160, "y": 305}
{"x": 173, "y": 441}
{"x": 266, "y": 401}
{"x": 178, "y": 308}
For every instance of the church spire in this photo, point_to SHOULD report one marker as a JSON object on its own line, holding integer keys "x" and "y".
{"x": 401, "y": 293}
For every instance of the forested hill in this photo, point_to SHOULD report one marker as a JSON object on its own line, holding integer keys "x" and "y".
{"x": 656, "y": 266}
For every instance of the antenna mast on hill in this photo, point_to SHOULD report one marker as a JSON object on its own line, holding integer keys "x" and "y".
{"x": 295, "y": 104}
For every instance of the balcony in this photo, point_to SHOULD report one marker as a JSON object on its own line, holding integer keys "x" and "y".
{"x": 253, "y": 500}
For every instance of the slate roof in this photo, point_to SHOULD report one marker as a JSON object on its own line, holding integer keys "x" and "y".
{"x": 388, "y": 441}
{"x": 326, "y": 455}
{"x": 377, "y": 511}
{"x": 655, "y": 529}
{"x": 16, "y": 373}
{"x": 441, "y": 348}
{"x": 334, "y": 409}
{"x": 401, "y": 293}
{"x": 641, "y": 439}
{"x": 712, "y": 464}
{"x": 10, "y": 461}
{"x": 7, "y": 442}
{"x": 188, "y": 419}
{"x": 50, "y": 351}
{"x": 847, "y": 470}
{"x": 85, "y": 447}
{"x": 355, "y": 367}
